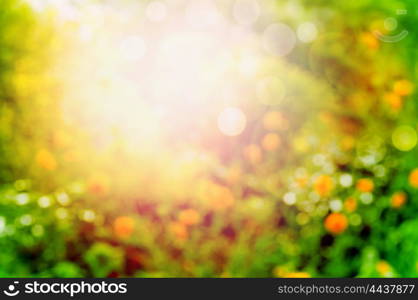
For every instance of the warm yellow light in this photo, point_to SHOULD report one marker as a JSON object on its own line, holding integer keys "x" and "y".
{"x": 168, "y": 67}
{"x": 231, "y": 121}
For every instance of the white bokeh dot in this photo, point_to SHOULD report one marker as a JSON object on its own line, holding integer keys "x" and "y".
{"x": 156, "y": 11}
{"x": 289, "y": 198}
{"x": 307, "y": 32}
{"x": 246, "y": 12}
{"x": 133, "y": 48}
{"x": 279, "y": 39}
{"x": 232, "y": 121}
{"x": 346, "y": 180}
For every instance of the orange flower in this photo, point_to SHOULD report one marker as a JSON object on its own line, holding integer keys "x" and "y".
{"x": 350, "y": 204}
{"x": 413, "y": 178}
{"x": 297, "y": 275}
{"x": 324, "y": 185}
{"x": 253, "y": 154}
{"x": 189, "y": 217}
{"x": 179, "y": 230}
{"x": 369, "y": 40}
{"x": 394, "y": 101}
{"x": 274, "y": 120}
{"x": 336, "y": 223}
{"x": 271, "y": 142}
{"x": 220, "y": 197}
{"x": 383, "y": 268}
{"x": 46, "y": 160}
{"x": 123, "y": 226}
{"x": 403, "y": 87}
{"x": 398, "y": 199}
{"x": 365, "y": 185}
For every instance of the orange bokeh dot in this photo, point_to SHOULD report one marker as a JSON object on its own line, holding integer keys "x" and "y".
{"x": 350, "y": 204}
{"x": 336, "y": 223}
{"x": 403, "y": 87}
{"x": 274, "y": 120}
{"x": 189, "y": 217}
{"x": 398, "y": 199}
{"x": 46, "y": 160}
{"x": 324, "y": 185}
{"x": 123, "y": 226}
{"x": 365, "y": 185}
{"x": 413, "y": 178}
{"x": 253, "y": 154}
{"x": 271, "y": 142}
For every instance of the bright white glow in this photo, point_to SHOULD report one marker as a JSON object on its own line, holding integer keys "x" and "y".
{"x": 22, "y": 198}
{"x": 289, "y": 198}
{"x": 26, "y": 220}
{"x": 336, "y": 205}
{"x": 2, "y": 224}
{"x": 232, "y": 121}
{"x": 201, "y": 14}
{"x": 279, "y": 39}
{"x": 366, "y": 198}
{"x": 169, "y": 68}
{"x": 156, "y": 11}
{"x": 307, "y": 32}
{"x": 346, "y": 180}
{"x": 44, "y": 202}
{"x": 133, "y": 48}
{"x": 246, "y": 12}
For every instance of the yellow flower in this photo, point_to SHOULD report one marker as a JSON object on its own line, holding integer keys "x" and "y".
{"x": 403, "y": 87}
{"x": 179, "y": 230}
{"x": 189, "y": 217}
{"x": 271, "y": 142}
{"x": 46, "y": 160}
{"x": 398, "y": 199}
{"x": 365, "y": 185}
{"x": 336, "y": 223}
{"x": 413, "y": 178}
{"x": 280, "y": 271}
{"x": 324, "y": 185}
{"x": 350, "y": 204}
{"x": 369, "y": 40}
{"x": 383, "y": 268}
{"x": 297, "y": 275}
{"x": 394, "y": 101}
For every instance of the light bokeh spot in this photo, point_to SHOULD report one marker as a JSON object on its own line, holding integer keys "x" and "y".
{"x": 404, "y": 138}
{"x": 232, "y": 121}
{"x": 279, "y": 39}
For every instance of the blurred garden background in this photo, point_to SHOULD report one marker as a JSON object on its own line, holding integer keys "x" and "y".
{"x": 208, "y": 138}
